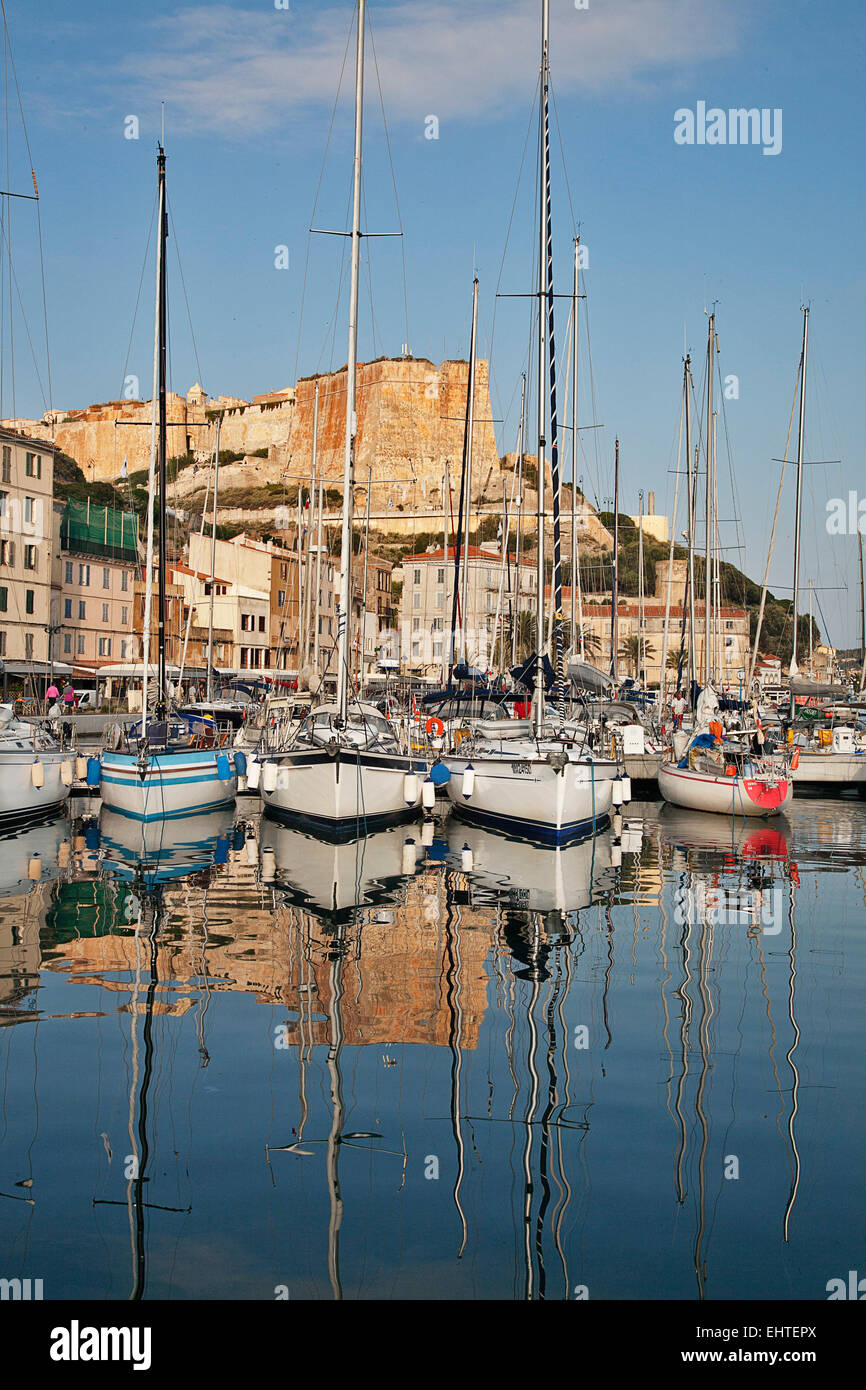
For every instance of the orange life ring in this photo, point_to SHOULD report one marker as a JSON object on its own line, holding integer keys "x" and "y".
{"x": 435, "y": 726}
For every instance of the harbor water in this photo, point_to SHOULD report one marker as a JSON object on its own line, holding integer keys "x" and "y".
{"x": 240, "y": 1062}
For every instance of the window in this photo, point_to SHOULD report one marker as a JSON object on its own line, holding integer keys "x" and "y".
{"x": 440, "y": 599}
{"x": 33, "y": 465}
{"x": 440, "y": 577}
{"x": 124, "y": 616}
{"x": 105, "y": 612}
{"x": 68, "y": 572}
{"x": 124, "y": 580}
{"x": 84, "y": 575}
{"x": 31, "y": 557}
{"x": 729, "y": 625}
{"x": 416, "y": 624}
{"x": 7, "y": 463}
{"x": 105, "y": 646}
{"x": 67, "y": 643}
{"x": 67, "y": 608}
{"x": 82, "y": 607}
{"x": 4, "y": 599}
{"x": 417, "y": 576}
{"x": 80, "y": 643}
{"x": 29, "y": 600}
{"x": 28, "y": 646}
{"x": 106, "y": 577}
{"x": 437, "y": 624}
{"x": 284, "y": 570}
{"x": 28, "y": 510}
{"x": 416, "y": 600}
{"x": 281, "y": 598}
{"x": 2, "y": 643}
{"x": 261, "y": 622}
{"x": 2, "y": 506}
{"x": 437, "y": 651}
{"x": 7, "y": 553}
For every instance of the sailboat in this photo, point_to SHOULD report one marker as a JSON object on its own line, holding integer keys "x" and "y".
{"x": 709, "y": 770}
{"x": 343, "y": 771}
{"x": 546, "y": 786}
{"x": 159, "y": 769}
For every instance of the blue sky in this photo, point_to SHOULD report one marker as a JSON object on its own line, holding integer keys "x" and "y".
{"x": 669, "y": 229}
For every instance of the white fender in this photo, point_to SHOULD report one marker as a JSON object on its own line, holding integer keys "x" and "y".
{"x": 67, "y": 773}
{"x": 81, "y": 768}
{"x": 408, "y": 866}
{"x": 428, "y": 794}
{"x": 626, "y": 789}
{"x": 37, "y": 774}
{"x": 467, "y": 860}
{"x": 269, "y": 777}
{"x": 410, "y": 788}
{"x": 468, "y": 780}
{"x": 254, "y": 775}
{"x": 616, "y": 792}
{"x": 269, "y": 865}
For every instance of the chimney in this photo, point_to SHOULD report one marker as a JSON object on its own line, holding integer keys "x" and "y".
{"x": 652, "y": 504}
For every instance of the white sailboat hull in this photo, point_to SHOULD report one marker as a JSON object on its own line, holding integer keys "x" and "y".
{"x": 20, "y": 798}
{"x": 831, "y": 771}
{"x": 737, "y": 796}
{"x": 169, "y": 784}
{"x": 530, "y": 798}
{"x": 346, "y": 792}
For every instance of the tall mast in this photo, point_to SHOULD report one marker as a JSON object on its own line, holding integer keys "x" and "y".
{"x": 318, "y": 598}
{"x": 640, "y": 595}
{"x": 343, "y": 634}
{"x": 575, "y": 557}
{"x": 518, "y": 537}
{"x": 708, "y": 546}
{"x": 541, "y": 637}
{"x": 216, "y": 475}
{"x": 614, "y": 587}
{"x": 470, "y": 431}
{"x": 792, "y": 670}
{"x": 308, "y": 609}
{"x": 162, "y": 686}
{"x": 862, "y": 613}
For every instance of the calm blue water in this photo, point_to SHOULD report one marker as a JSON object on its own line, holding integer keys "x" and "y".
{"x": 236, "y": 1062}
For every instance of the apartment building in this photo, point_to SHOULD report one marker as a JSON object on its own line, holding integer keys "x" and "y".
{"x": 427, "y": 600}
{"x": 260, "y": 596}
{"x": 94, "y": 569}
{"x": 26, "y": 500}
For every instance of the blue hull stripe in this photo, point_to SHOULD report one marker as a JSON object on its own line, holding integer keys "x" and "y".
{"x": 532, "y": 830}
{"x": 162, "y": 779}
{"x": 173, "y": 815}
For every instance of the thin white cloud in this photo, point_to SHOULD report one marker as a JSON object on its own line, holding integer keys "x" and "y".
{"x": 242, "y": 72}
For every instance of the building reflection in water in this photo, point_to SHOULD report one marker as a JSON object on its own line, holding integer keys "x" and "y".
{"x": 523, "y": 970}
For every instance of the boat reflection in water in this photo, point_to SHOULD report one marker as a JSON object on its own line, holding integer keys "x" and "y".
{"x": 334, "y": 880}
{"x": 156, "y": 852}
{"x": 33, "y": 854}
{"x": 534, "y": 877}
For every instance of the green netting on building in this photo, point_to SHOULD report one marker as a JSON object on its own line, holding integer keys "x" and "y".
{"x": 101, "y": 531}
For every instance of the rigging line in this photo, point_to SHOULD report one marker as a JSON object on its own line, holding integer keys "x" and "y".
{"x": 393, "y": 178}
{"x": 316, "y": 197}
{"x": 575, "y": 226}
{"x": 11, "y": 60}
{"x": 14, "y": 280}
{"x": 138, "y": 295}
{"x": 183, "y": 286}
{"x": 530, "y": 124}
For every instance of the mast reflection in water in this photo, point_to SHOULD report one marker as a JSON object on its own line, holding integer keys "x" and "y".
{"x": 240, "y": 1062}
